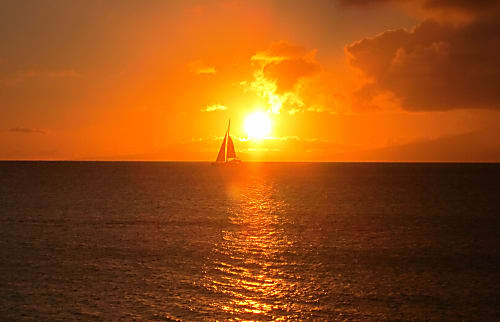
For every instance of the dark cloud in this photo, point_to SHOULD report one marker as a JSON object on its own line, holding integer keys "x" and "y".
{"x": 286, "y": 63}
{"x": 435, "y": 66}
{"x": 25, "y": 130}
{"x": 364, "y": 2}
{"x": 467, "y": 5}
{"x": 473, "y": 5}
{"x": 288, "y": 72}
{"x": 280, "y": 74}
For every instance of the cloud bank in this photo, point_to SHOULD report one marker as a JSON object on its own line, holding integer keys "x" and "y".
{"x": 437, "y": 65}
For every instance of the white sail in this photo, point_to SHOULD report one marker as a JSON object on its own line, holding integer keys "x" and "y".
{"x": 230, "y": 148}
{"x": 221, "y": 157}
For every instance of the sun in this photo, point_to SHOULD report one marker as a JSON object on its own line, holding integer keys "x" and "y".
{"x": 258, "y": 125}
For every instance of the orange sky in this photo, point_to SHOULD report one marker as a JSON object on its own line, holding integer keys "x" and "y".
{"x": 359, "y": 80}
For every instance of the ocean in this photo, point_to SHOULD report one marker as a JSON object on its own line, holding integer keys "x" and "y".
{"x": 263, "y": 241}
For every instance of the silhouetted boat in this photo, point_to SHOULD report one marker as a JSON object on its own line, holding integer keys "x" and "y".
{"x": 227, "y": 154}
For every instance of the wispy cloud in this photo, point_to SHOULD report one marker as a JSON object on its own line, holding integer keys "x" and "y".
{"x": 34, "y": 73}
{"x": 26, "y": 130}
{"x": 270, "y": 148}
{"x": 213, "y": 108}
{"x": 66, "y": 73}
{"x": 199, "y": 67}
{"x": 288, "y": 138}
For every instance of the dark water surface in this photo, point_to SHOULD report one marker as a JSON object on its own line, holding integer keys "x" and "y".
{"x": 189, "y": 241}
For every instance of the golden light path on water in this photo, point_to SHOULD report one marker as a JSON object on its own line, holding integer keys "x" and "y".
{"x": 254, "y": 269}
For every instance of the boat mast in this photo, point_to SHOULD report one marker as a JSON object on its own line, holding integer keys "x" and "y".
{"x": 227, "y": 141}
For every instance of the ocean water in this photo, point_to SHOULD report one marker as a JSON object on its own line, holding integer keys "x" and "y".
{"x": 264, "y": 241}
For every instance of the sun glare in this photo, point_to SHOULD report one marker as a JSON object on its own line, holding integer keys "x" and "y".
{"x": 258, "y": 125}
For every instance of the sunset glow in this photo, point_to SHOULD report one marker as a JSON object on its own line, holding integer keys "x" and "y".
{"x": 250, "y": 160}
{"x": 159, "y": 80}
{"x": 257, "y": 125}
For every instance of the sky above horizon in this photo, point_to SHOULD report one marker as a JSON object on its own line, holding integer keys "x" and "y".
{"x": 340, "y": 80}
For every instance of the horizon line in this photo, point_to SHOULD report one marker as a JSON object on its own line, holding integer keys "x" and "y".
{"x": 249, "y": 161}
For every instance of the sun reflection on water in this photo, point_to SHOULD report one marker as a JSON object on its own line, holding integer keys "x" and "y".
{"x": 253, "y": 269}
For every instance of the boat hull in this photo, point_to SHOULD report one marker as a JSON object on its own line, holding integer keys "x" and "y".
{"x": 232, "y": 163}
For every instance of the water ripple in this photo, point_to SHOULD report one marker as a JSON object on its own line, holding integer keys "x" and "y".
{"x": 254, "y": 271}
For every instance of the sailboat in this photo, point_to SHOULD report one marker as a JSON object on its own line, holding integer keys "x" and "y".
{"x": 227, "y": 155}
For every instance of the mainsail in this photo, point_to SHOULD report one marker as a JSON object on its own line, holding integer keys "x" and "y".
{"x": 221, "y": 157}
